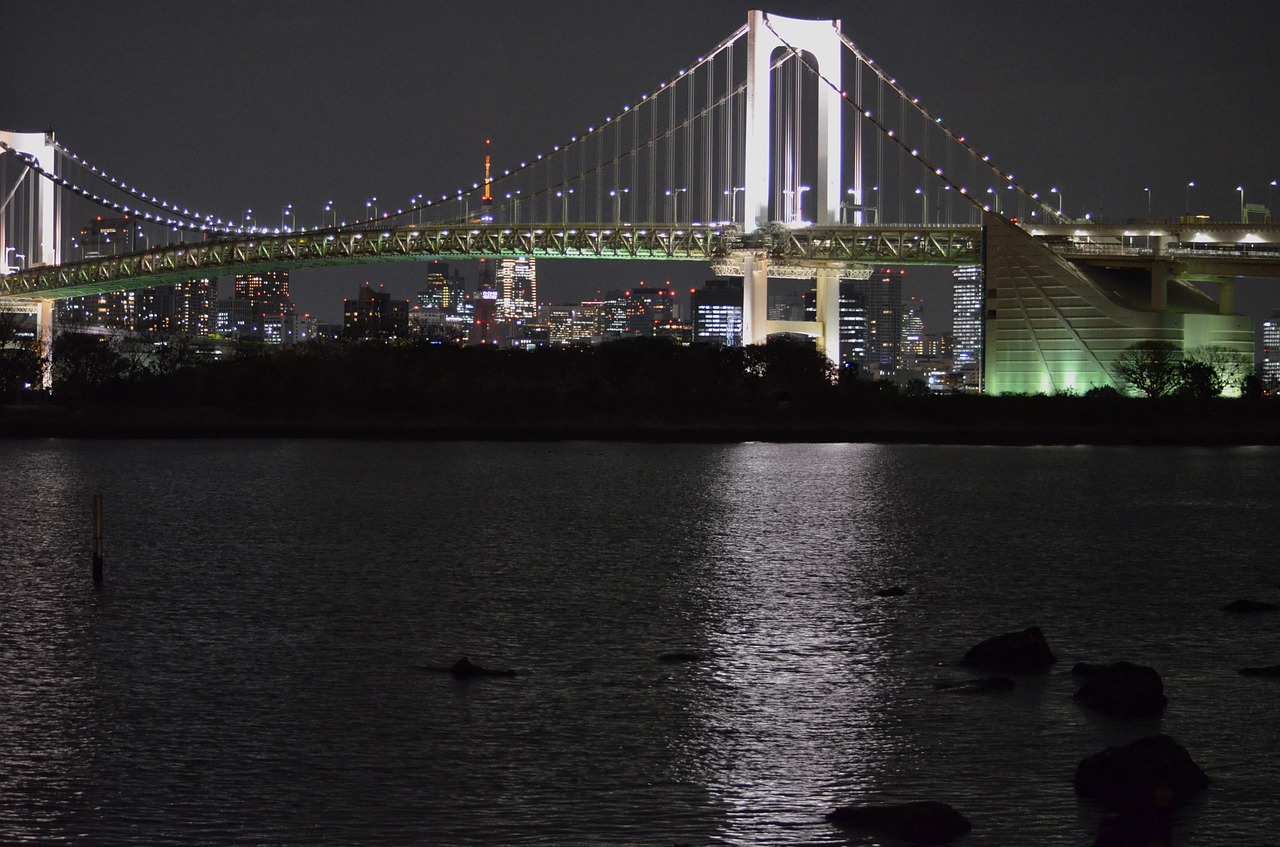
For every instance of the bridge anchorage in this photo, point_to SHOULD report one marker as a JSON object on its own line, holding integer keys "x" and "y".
{"x": 783, "y": 153}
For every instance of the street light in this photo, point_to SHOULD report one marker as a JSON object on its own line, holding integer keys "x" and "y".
{"x": 1148, "y": 190}
{"x": 732, "y": 201}
{"x": 675, "y": 201}
{"x": 328, "y": 207}
{"x": 564, "y": 204}
{"x": 616, "y": 194}
{"x": 995, "y": 200}
{"x": 1059, "y": 193}
{"x": 1240, "y": 188}
{"x": 924, "y": 206}
{"x": 1190, "y": 185}
{"x": 371, "y": 203}
{"x": 287, "y": 211}
{"x": 1269, "y": 188}
{"x": 515, "y": 205}
{"x": 799, "y": 215}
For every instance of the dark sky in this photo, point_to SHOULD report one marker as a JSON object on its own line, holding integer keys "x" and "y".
{"x": 230, "y": 105}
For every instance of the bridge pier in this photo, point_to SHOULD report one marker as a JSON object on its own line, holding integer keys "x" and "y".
{"x": 44, "y": 335}
{"x": 755, "y": 299}
{"x": 827, "y": 297}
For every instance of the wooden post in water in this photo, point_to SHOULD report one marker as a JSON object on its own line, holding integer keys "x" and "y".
{"x": 97, "y": 539}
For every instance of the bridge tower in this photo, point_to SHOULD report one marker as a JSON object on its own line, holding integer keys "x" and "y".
{"x": 820, "y": 39}
{"x": 38, "y": 238}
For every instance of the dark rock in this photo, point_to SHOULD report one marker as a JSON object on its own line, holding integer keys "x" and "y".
{"x": 1147, "y": 774}
{"x": 1248, "y": 606}
{"x": 680, "y": 657}
{"x": 926, "y": 822}
{"x": 1269, "y": 670}
{"x": 1123, "y": 690}
{"x": 464, "y": 669}
{"x": 1085, "y": 669}
{"x": 891, "y": 591}
{"x": 989, "y": 685}
{"x": 1013, "y": 652}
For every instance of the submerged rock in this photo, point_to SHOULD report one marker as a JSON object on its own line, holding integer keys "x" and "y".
{"x": 1123, "y": 690}
{"x": 1147, "y": 774}
{"x": 891, "y": 591}
{"x": 1269, "y": 670}
{"x": 465, "y": 669}
{"x": 1013, "y": 652}
{"x": 988, "y": 685}
{"x": 1249, "y": 606}
{"x": 925, "y": 822}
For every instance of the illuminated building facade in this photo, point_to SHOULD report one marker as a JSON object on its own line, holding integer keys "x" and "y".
{"x": 518, "y": 284}
{"x": 882, "y": 307}
{"x": 373, "y": 314}
{"x": 966, "y": 326}
{"x": 444, "y": 290}
{"x": 114, "y": 310}
{"x": 853, "y": 326}
{"x": 717, "y": 312}
{"x": 1269, "y": 373}
{"x": 912, "y": 348}
{"x": 266, "y": 290}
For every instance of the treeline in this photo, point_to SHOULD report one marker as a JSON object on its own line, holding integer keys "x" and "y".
{"x": 645, "y": 388}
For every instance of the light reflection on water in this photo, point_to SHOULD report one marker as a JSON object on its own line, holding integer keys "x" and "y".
{"x": 253, "y": 670}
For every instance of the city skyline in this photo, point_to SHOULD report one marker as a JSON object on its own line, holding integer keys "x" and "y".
{"x": 1036, "y": 88}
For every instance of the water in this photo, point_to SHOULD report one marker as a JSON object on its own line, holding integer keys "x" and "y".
{"x": 253, "y": 670}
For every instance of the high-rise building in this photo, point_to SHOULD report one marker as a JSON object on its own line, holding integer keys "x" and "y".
{"x": 912, "y": 347}
{"x": 194, "y": 303}
{"x": 882, "y": 304}
{"x": 853, "y": 327}
{"x": 373, "y": 314}
{"x": 444, "y": 290}
{"x": 518, "y": 284}
{"x": 115, "y": 310}
{"x": 717, "y": 312}
{"x": 967, "y": 325}
{"x": 267, "y": 291}
{"x": 643, "y": 309}
{"x": 1270, "y": 370}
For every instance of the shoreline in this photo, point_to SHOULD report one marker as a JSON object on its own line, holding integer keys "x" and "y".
{"x": 30, "y": 423}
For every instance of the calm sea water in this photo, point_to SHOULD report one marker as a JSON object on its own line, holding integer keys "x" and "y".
{"x": 253, "y": 670}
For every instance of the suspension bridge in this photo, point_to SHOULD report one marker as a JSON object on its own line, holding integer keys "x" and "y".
{"x": 783, "y": 152}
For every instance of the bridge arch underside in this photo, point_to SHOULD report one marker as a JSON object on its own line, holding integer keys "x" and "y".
{"x": 1053, "y": 325}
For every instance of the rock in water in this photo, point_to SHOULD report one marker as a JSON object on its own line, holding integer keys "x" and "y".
{"x": 1013, "y": 652}
{"x": 680, "y": 656}
{"x": 925, "y": 822}
{"x": 1269, "y": 670}
{"x": 891, "y": 591}
{"x": 464, "y": 669}
{"x": 1148, "y": 774}
{"x": 1123, "y": 690}
{"x": 1247, "y": 606}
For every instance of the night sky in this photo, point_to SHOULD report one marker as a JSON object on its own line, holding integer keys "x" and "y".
{"x": 231, "y": 105}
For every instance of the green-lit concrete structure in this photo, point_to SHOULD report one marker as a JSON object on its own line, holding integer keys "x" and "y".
{"x": 1057, "y": 324}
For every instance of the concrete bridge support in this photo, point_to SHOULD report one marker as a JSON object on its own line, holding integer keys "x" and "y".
{"x": 1051, "y": 326}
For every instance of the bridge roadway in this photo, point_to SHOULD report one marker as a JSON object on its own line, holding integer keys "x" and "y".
{"x": 1223, "y": 249}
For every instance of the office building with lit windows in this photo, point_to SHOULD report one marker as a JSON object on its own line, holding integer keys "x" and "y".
{"x": 518, "y": 288}
{"x": 967, "y": 322}
{"x": 444, "y": 290}
{"x": 717, "y": 312}
{"x": 1269, "y": 372}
